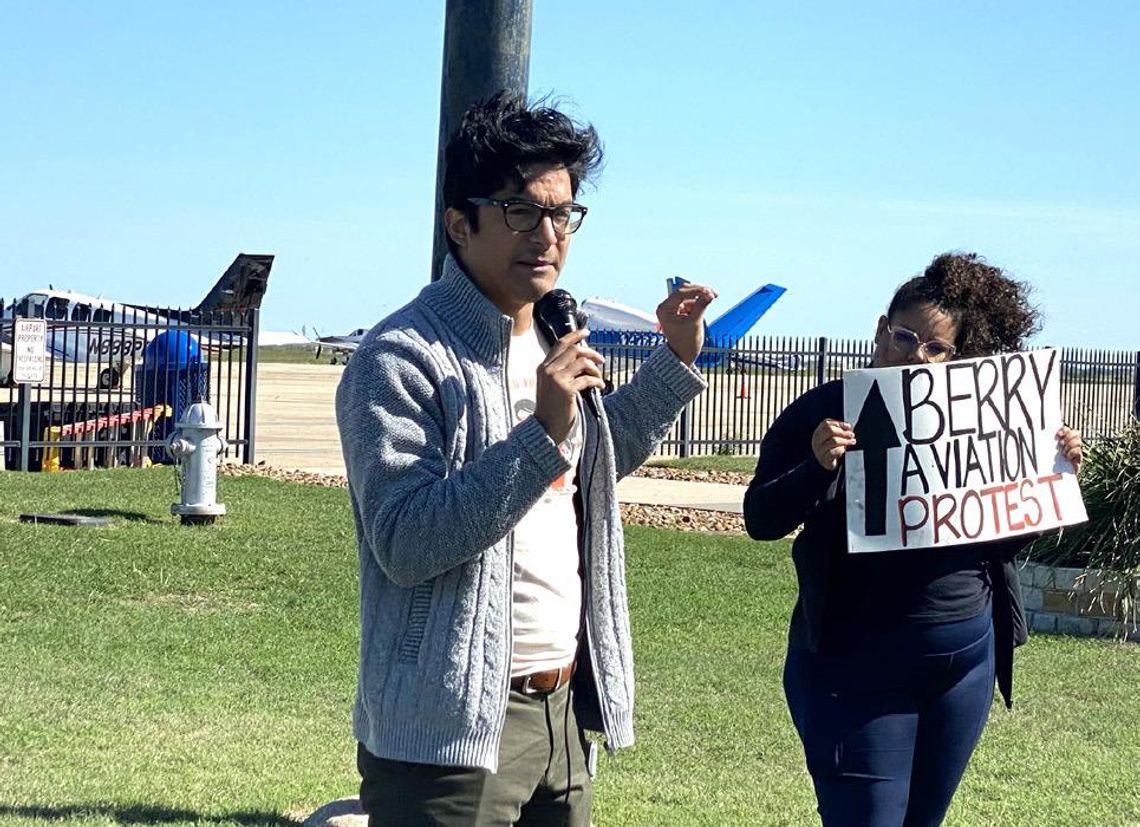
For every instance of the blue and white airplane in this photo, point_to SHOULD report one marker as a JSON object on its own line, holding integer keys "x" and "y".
{"x": 617, "y": 324}
{"x": 112, "y": 335}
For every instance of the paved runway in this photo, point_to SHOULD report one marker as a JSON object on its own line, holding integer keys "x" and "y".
{"x": 296, "y": 424}
{"x": 296, "y": 429}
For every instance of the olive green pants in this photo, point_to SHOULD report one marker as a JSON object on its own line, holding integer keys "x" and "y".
{"x": 542, "y": 777}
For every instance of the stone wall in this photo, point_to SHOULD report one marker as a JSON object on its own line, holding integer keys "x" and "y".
{"x": 1062, "y": 601}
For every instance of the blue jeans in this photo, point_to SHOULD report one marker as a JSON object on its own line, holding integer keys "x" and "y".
{"x": 890, "y": 718}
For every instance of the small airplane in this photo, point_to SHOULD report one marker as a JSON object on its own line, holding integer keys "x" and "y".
{"x": 342, "y": 347}
{"x": 83, "y": 328}
{"x": 614, "y": 323}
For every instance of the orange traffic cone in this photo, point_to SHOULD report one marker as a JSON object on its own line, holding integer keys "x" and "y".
{"x": 743, "y": 392}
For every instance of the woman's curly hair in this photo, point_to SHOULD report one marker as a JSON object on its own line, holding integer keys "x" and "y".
{"x": 991, "y": 308}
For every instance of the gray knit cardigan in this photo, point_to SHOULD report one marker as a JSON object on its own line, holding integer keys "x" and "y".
{"x": 438, "y": 479}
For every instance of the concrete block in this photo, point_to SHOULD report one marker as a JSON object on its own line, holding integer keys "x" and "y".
{"x": 344, "y": 812}
{"x": 1104, "y": 603}
{"x": 1034, "y": 574}
{"x": 1056, "y": 601}
{"x": 1042, "y": 621}
{"x": 1076, "y": 626}
{"x": 1109, "y": 628}
{"x": 1093, "y": 579}
{"x": 1032, "y": 597}
{"x": 1123, "y": 630}
{"x": 1066, "y": 578}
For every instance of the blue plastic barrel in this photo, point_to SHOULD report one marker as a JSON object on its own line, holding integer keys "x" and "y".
{"x": 172, "y": 349}
{"x": 173, "y": 374}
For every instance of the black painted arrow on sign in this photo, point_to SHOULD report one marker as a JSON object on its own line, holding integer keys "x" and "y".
{"x": 874, "y": 436}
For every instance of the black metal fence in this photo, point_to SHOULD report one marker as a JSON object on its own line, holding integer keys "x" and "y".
{"x": 752, "y": 382}
{"x": 118, "y": 378}
{"x": 1100, "y": 389}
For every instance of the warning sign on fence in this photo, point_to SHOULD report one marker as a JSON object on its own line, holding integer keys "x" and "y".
{"x": 29, "y": 351}
{"x": 955, "y": 453}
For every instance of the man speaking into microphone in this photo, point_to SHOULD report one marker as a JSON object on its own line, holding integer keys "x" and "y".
{"x": 494, "y": 619}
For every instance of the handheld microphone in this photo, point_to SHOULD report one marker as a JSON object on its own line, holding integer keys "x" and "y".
{"x": 556, "y": 314}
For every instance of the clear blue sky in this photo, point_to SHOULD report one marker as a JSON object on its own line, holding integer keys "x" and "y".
{"x": 833, "y": 148}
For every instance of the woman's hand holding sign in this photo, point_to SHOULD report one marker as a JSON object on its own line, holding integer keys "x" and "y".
{"x": 1070, "y": 444}
{"x": 830, "y": 442}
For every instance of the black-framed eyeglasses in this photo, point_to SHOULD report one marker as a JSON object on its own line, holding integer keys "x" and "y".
{"x": 523, "y": 216}
{"x": 907, "y": 341}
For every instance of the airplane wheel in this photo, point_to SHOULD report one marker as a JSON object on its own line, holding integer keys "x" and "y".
{"x": 109, "y": 378}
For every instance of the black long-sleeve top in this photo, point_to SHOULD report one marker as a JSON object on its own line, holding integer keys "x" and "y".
{"x": 841, "y": 595}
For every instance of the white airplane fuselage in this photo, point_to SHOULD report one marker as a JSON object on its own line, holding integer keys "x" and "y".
{"x": 90, "y": 329}
{"x": 86, "y": 328}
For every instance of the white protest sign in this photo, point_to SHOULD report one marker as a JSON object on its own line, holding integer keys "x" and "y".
{"x": 961, "y": 452}
{"x": 29, "y": 351}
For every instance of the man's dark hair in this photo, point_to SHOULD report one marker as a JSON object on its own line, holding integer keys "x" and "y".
{"x": 991, "y": 308}
{"x": 501, "y": 137}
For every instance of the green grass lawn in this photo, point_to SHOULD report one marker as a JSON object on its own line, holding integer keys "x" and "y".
{"x": 713, "y": 462}
{"x": 151, "y": 673}
{"x": 292, "y": 354}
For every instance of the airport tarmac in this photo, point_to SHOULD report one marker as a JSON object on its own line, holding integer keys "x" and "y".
{"x": 296, "y": 423}
{"x": 296, "y": 429}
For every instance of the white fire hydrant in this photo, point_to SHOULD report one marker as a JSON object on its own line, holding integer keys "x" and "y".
{"x": 196, "y": 445}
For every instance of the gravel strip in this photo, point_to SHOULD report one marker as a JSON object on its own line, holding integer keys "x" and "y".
{"x": 661, "y": 473}
{"x": 682, "y": 519}
{"x": 307, "y": 477}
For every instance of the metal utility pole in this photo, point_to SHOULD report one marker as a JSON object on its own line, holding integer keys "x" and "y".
{"x": 486, "y": 47}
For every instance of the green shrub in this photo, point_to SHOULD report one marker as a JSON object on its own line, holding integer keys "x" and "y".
{"x": 1110, "y": 541}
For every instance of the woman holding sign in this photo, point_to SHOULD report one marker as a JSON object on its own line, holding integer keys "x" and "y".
{"x": 892, "y": 655}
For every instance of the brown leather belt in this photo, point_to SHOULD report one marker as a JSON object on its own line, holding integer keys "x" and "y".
{"x": 543, "y": 683}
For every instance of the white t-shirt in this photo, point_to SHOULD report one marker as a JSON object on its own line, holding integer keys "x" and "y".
{"x": 547, "y": 587}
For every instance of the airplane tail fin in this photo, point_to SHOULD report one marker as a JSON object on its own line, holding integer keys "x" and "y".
{"x": 735, "y": 322}
{"x": 731, "y": 326}
{"x": 241, "y": 287}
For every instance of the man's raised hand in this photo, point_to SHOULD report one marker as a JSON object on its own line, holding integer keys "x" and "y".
{"x": 682, "y": 316}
